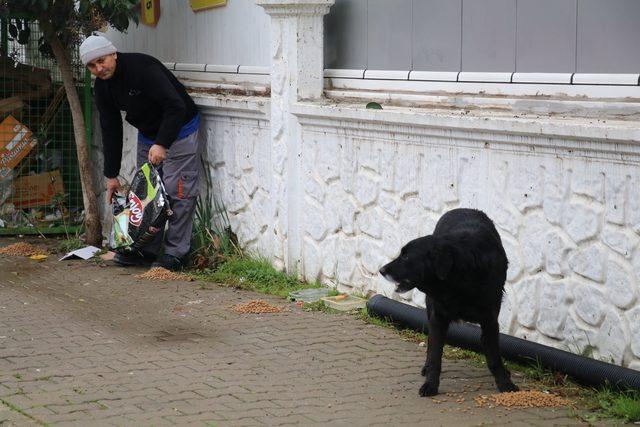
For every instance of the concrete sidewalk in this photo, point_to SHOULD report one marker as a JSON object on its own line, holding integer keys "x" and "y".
{"x": 82, "y": 344}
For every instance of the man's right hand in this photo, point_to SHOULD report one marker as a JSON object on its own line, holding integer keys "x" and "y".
{"x": 113, "y": 186}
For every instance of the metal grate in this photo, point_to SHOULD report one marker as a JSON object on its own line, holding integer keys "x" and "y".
{"x": 40, "y": 188}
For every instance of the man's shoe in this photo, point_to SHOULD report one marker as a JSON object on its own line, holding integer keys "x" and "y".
{"x": 169, "y": 262}
{"x": 133, "y": 259}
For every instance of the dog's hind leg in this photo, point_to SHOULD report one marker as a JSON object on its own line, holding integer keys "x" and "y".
{"x": 433, "y": 365}
{"x": 489, "y": 339}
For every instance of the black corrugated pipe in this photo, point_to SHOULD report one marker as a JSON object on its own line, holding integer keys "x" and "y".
{"x": 466, "y": 335}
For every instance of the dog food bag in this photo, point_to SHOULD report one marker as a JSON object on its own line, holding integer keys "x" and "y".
{"x": 146, "y": 211}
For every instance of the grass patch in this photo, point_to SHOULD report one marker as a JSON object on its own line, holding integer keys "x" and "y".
{"x": 457, "y": 353}
{"x": 626, "y": 407}
{"x": 406, "y": 334}
{"x": 70, "y": 244}
{"x": 607, "y": 403}
{"x": 318, "y": 306}
{"x": 255, "y": 274}
{"x": 374, "y": 320}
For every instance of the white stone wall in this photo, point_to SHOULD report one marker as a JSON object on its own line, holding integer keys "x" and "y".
{"x": 237, "y": 158}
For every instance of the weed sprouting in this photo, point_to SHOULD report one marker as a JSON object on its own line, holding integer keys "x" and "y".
{"x": 626, "y": 406}
{"x": 609, "y": 403}
{"x": 212, "y": 240}
{"x": 254, "y": 273}
{"x": 71, "y": 243}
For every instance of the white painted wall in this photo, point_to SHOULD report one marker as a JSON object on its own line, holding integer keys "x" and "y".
{"x": 237, "y": 33}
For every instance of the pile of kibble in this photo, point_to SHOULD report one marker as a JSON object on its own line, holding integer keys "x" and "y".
{"x": 256, "y": 306}
{"x": 522, "y": 399}
{"x": 159, "y": 273}
{"x": 22, "y": 249}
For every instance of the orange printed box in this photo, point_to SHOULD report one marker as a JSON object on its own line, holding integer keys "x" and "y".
{"x": 16, "y": 141}
{"x": 37, "y": 190}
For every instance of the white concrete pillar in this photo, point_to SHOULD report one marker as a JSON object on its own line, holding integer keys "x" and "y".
{"x": 297, "y": 65}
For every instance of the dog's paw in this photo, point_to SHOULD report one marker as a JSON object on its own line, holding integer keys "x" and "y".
{"x": 428, "y": 389}
{"x": 507, "y": 387}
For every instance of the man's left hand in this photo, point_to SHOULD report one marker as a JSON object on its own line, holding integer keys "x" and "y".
{"x": 157, "y": 153}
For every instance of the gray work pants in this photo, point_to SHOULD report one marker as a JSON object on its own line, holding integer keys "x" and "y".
{"x": 179, "y": 171}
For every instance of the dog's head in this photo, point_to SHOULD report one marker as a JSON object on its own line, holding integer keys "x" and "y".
{"x": 423, "y": 262}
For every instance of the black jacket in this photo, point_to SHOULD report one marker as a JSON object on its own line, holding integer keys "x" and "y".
{"x": 155, "y": 102}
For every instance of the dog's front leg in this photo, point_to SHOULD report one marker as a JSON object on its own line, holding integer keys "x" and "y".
{"x": 433, "y": 365}
{"x": 489, "y": 339}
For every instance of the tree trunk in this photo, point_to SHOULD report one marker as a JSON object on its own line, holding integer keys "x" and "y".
{"x": 92, "y": 222}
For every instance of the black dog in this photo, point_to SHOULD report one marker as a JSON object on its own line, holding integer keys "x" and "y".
{"x": 461, "y": 268}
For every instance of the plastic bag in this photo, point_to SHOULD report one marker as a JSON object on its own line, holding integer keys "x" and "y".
{"x": 143, "y": 214}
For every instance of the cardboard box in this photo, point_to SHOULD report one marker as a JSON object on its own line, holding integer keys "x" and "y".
{"x": 37, "y": 190}
{"x": 16, "y": 141}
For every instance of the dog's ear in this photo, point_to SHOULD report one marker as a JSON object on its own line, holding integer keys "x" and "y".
{"x": 442, "y": 259}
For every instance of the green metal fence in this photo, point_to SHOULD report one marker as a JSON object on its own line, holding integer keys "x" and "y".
{"x": 40, "y": 189}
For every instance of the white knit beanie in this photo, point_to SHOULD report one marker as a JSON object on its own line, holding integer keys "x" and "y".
{"x": 95, "y": 47}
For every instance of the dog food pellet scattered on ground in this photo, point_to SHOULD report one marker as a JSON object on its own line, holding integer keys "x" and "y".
{"x": 256, "y": 306}
{"x": 159, "y": 273}
{"x": 522, "y": 399}
{"x": 22, "y": 249}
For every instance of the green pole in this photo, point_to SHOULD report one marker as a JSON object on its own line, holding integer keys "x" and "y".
{"x": 88, "y": 108}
